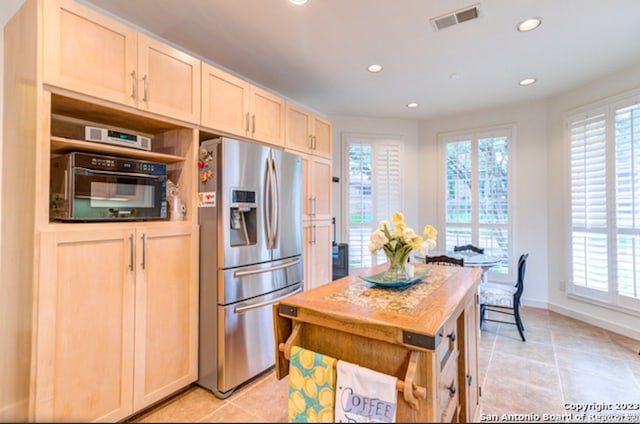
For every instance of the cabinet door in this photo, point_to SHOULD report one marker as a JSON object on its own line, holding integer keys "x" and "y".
{"x": 168, "y": 80}
{"x": 89, "y": 53}
{"x": 320, "y": 182}
{"x": 298, "y": 134}
{"x": 267, "y": 117}
{"x": 317, "y": 253}
{"x": 84, "y": 334}
{"x": 469, "y": 362}
{"x": 322, "y": 136}
{"x": 225, "y": 101}
{"x": 166, "y": 312}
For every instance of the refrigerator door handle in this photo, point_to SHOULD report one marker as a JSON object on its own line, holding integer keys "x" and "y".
{"x": 266, "y": 204}
{"x": 239, "y": 274}
{"x": 275, "y": 225}
{"x": 242, "y": 309}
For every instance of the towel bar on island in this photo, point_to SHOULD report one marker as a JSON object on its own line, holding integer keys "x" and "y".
{"x": 410, "y": 390}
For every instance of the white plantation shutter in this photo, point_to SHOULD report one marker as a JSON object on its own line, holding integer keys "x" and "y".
{"x": 386, "y": 180}
{"x": 605, "y": 203}
{"x": 627, "y": 197}
{"x": 589, "y": 202}
{"x": 374, "y": 191}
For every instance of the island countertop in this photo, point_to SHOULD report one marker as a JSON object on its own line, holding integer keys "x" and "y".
{"x": 424, "y": 334}
{"x": 387, "y": 312}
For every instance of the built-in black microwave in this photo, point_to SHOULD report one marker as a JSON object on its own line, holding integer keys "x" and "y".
{"x": 91, "y": 187}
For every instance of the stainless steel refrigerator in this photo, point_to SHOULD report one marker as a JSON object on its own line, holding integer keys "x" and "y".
{"x": 250, "y": 216}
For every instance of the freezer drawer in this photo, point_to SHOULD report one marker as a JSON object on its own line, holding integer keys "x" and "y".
{"x": 246, "y": 345}
{"x": 236, "y": 284}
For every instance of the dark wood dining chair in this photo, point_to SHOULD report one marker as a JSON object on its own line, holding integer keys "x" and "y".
{"x": 444, "y": 260}
{"x": 469, "y": 247}
{"x": 504, "y": 299}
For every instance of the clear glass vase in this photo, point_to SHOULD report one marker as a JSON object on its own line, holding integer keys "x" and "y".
{"x": 396, "y": 270}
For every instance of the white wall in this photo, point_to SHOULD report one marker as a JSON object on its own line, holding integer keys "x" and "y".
{"x": 403, "y": 128}
{"x": 539, "y": 193}
{"x": 612, "y": 85}
{"x": 529, "y": 190}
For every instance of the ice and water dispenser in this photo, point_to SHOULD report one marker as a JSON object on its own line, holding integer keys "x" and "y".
{"x": 243, "y": 218}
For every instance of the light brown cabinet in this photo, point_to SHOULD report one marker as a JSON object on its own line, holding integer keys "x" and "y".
{"x": 316, "y": 212}
{"x": 302, "y": 127}
{"x": 316, "y": 187}
{"x": 89, "y": 53}
{"x": 107, "y": 319}
{"x": 468, "y": 327}
{"x": 100, "y": 318}
{"x": 307, "y": 132}
{"x": 317, "y": 253}
{"x": 234, "y": 106}
{"x": 117, "y": 320}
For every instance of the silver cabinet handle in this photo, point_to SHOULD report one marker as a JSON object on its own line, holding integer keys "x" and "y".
{"x": 144, "y": 251}
{"x": 313, "y": 209}
{"x": 268, "y": 302}
{"x": 315, "y": 145}
{"x": 253, "y": 124}
{"x": 134, "y": 84}
{"x": 314, "y": 234}
{"x": 146, "y": 88}
{"x": 239, "y": 274}
{"x": 310, "y": 141}
{"x": 132, "y": 248}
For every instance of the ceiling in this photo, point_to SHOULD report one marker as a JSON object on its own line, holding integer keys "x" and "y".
{"x": 317, "y": 53}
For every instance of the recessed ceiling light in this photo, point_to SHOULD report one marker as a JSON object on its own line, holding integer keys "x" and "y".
{"x": 529, "y": 24}
{"x": 374, "y": 68}
{"x": 298, "y": 1}
{"x": 413, "y": 105}
{"x": 527, "y": 81}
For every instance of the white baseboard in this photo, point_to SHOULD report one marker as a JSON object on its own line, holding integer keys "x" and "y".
{"x": 590, "y": 319}
{"x": 535, "y": 303}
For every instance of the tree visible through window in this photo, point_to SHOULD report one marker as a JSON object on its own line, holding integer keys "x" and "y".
{"x": 476, "y": 199}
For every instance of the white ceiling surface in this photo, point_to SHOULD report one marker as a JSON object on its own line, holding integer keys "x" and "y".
{"x": 316, "y": 54}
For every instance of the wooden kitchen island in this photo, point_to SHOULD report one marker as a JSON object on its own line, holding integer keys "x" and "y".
{"x": 425, "y": 334}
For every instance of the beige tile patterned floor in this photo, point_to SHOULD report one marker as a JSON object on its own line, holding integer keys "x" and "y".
{"x": 564, "y": 364}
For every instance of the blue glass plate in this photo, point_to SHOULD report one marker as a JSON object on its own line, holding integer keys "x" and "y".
{"x": 377, "y": 278}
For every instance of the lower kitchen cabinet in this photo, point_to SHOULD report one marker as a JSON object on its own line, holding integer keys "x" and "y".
{"x": 468, "y": 327}
{"x": 317, "y": 253}
{"x": 117, "y": 320}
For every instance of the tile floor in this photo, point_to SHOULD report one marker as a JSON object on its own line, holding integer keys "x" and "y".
{"x": 564, "y": 364}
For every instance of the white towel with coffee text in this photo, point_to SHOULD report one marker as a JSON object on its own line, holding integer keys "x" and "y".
{"x": 364, "y": 395}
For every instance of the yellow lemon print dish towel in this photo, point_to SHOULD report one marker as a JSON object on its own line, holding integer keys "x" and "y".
{"x": 312, "y": 386}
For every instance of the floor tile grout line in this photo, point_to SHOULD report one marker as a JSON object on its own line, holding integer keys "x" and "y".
{"x": 555, "y": 359}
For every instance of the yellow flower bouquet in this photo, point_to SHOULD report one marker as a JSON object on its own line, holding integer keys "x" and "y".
{"x": 398, "y": 242}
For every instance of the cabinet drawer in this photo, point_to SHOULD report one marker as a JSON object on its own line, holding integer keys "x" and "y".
{"x": 448, "y": 345}
{"x": 447, "y": 390}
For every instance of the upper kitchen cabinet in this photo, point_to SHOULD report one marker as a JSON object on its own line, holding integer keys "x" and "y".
{"x": 168, "y": 80}
{"x": 233, "y": 106}
{"x": 88, "y": 53}
{"x": 307, "y": 132}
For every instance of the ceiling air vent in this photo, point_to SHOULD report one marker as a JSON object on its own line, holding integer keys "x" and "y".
{"x": 457, "y": 17}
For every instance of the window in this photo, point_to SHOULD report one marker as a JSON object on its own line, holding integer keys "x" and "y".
{"x": 476, "y": 195}
{"x": 374, "y": 182}
{"x": 605, "y": 203}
